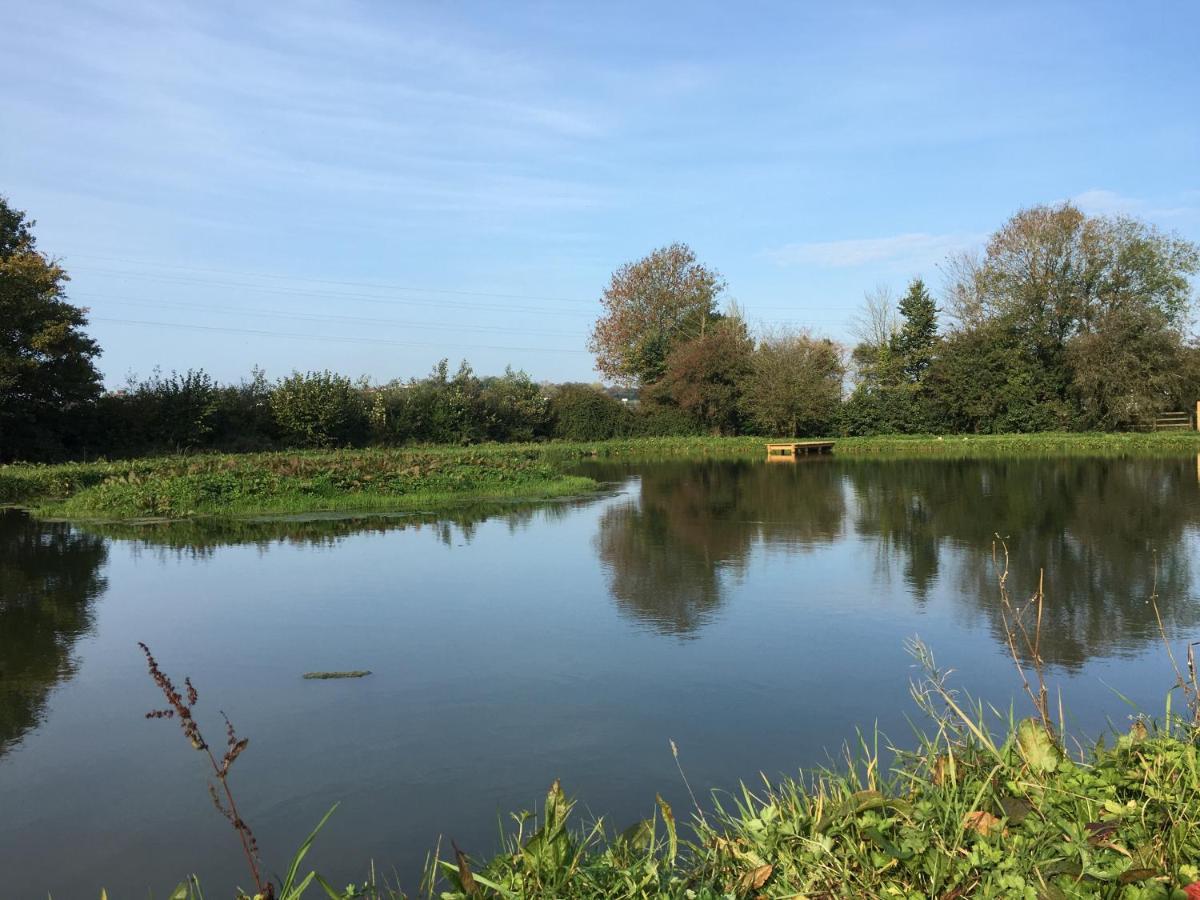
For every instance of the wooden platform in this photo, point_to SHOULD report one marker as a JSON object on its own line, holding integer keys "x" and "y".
{"x": 791, "y": 449}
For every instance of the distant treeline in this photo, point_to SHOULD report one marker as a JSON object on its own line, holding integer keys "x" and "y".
{"x": 1063, "y": 322}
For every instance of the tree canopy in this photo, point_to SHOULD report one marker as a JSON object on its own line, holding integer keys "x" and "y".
{"x": 650, "y": 307}
{"x": 45, "y": 358}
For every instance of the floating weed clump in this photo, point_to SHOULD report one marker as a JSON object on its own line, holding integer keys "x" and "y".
{"x": 350, "y": 673}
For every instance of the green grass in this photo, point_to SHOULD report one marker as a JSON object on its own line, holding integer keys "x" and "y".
{"x": 286, "y": 483}
{"x": 431, "y": 478}
{"x": 985, "y": 806}
{"x": 964, "y": 816}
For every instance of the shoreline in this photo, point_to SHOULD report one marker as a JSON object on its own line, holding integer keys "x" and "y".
{"x": 435, "y": 478}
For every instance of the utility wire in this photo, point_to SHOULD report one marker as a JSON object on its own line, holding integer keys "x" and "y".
{"x": 302, "y": 279}
{"x": 325, "y": 337}
{"x": 359, "y": 284}
{"x": 341, "y": 295}
{"x": 320, "y": 317}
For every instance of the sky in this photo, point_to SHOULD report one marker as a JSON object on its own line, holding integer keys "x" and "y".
{"x": 370, "y": 187}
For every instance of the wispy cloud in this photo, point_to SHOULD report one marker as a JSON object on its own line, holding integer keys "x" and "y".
{"x": 912, "y": 248}
{"x": 1100, "y": 202}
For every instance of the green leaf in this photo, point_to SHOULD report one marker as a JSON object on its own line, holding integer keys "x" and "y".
{"x": 289, "y": 882}
{"x": 669, "y": 820}
{"x": 330, "y": 891}
{"x": 1015, "y": 809}
{"x": 1036, "y": 747}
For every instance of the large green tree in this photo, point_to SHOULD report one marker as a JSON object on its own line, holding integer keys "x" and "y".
{"x": 46, "y": 368}
{"x": 651, "y": 306}
{"x": 1095, "y": 305}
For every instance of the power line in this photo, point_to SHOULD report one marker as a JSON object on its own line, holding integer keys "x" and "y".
{"x": 317, "y": 317}
{"x": 326, "y": 295}
{"x": 325, "y": 337}
{"x": 360, "y": 284}
{"x": 301, "y": 279}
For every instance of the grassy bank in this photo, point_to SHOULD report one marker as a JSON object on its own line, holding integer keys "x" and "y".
{"x": 1013, "y": 817}
{"x": 425, "y": 478}
{"x": 1015, "y": 810}
{"x": 286, "y": 483}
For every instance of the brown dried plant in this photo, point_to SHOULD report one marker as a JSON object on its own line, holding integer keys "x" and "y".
{"x": 1189, "y": 684}
{"x": 1022, "y": 640}
{"x": 180, "y": 707}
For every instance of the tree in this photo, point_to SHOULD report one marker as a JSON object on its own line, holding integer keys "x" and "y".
{"x": 985, "y": 380}
{"x": 794, "y": 385}
{"x": 1065, "y": 286}
{"x": 1125, "y": 370}
{"x": 46, "y": 364}
{"x": 876, "y": 322}
{"x": 895, "y": 351}
{"x": 704, "y": 376}
{"x": 651, "y": 306}
{"x": 916, "y": 338}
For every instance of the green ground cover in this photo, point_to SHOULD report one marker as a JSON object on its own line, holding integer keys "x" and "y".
{"x": 435, "y": 477}
{"x": 986, "y": 805}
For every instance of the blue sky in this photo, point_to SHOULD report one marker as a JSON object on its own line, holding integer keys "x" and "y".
{"x": 370, "y": 187}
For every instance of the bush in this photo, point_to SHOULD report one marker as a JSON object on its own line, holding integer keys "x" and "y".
{"x": 662, "y": 420}
{"x": 583, "y": 413}
{"x": 243, "y": 421}
{"x": 320, "y": 409}
{"x": 513, "y": 408}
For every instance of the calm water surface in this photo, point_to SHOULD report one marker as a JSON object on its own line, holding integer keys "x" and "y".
{"x": 755, "y": 614}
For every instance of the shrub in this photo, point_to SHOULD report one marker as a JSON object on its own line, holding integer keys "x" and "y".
{"x": 663, "y": 420}
{"x": 319, "y": 409}
{"x": 243, "y": 420}
{"x": 513, "y": 408}
{"x": 584, "y": 413}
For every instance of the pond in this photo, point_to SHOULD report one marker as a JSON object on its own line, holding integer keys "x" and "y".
{"x": 754, "y": 614}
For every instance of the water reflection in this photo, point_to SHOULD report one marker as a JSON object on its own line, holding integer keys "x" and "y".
{"x": 201, "y": 538}
{"x": 1094, "y": 527}
{"x": 49, "y": 577}
{"x": 1097, "y": 528}
{"x": 692, "y": 525}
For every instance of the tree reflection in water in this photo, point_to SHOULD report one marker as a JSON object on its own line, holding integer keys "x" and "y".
{"x": 50, "y": 575}
{"x": 692, "y": 525}
{"x": 1095, "y": 526}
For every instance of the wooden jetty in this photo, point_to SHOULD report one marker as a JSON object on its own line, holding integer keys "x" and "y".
{"x": 790, "y": 450}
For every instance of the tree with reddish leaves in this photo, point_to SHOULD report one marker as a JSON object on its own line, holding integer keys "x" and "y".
{"x": 651, "y": 307}
{"x": 704, "y": 376}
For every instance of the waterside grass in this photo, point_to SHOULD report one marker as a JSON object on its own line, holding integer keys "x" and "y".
{"x": 287, "y": 483}
{"x": 986, "y": 805}
{"x": 437, "y": 477}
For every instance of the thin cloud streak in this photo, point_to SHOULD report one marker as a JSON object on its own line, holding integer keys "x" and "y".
{"x": 917, "y": 248}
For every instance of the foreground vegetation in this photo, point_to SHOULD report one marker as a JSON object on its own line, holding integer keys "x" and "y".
{"x": 967, "y": 814}
{"x": 432, "y": 478}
